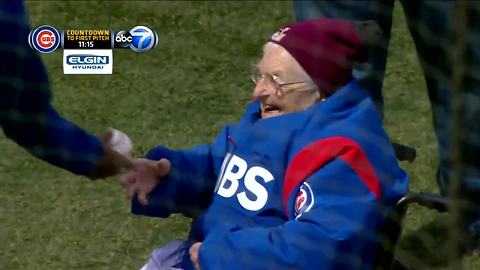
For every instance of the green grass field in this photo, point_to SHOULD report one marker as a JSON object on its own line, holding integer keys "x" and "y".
{"x": 178, "y": 95}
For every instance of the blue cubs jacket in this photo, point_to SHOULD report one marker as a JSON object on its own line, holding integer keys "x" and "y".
{"x": 304, "y": 190}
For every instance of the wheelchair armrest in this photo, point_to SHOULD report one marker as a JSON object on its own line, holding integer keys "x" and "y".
{"x": 404, "y": 152}
{"x": 429, "y": 200}
{"x": 435, "y": 202}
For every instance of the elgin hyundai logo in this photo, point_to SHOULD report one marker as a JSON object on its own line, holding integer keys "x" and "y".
{"x": 87, "y": 61}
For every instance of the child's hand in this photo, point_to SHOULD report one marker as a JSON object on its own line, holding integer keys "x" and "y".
{"x": 144, "y": 177}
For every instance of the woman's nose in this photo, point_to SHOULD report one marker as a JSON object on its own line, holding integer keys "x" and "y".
{"x": 262, "y": 88}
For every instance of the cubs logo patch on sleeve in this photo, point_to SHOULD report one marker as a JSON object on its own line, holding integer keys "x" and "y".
{"x": 304, "y": 200}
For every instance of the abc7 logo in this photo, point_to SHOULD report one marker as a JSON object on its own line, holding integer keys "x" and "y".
{"x": 123, "y": 39}
{"x": 138, "y": 39}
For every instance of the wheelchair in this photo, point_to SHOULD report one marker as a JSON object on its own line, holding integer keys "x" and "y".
{"x": 386, "y": 259}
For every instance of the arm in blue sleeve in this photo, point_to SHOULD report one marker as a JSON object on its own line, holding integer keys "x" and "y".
{"x": 336, "y": 230}
{"x": 189, "y": 186}
{"x": 26, "y": 115}
{"x": 55, "y": 140}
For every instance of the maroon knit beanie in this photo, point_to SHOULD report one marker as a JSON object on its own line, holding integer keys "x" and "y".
{"x": 326, "y": 49}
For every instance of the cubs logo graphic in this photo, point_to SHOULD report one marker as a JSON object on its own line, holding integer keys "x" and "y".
{"x": 44, "y": 39}
{"x": 304, "y": 200}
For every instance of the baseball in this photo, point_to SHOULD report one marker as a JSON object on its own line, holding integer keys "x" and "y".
{"x": 120, "y": 142}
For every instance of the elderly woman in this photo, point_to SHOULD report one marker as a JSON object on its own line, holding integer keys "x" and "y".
{"x": 303, "y": 181}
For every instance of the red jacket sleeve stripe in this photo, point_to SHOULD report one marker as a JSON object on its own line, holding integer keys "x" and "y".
{"x": 318, "y": 154}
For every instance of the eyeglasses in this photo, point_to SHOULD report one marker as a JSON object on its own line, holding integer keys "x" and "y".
{"x": 280, "y": 86}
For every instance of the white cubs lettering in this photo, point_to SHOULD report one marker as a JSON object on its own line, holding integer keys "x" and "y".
{"x": 233, "y": 172}
{"x": 256, "y": 188}
{"x": 222, "y": 171}
{"x": 232, "y": 177}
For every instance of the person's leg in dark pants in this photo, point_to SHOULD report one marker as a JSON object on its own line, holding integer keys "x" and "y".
{"x": 431, "y": 25}
{"x": 371, "y": 73}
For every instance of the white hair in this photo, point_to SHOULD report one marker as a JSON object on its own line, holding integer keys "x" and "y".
{"x": 270, "y": 45}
